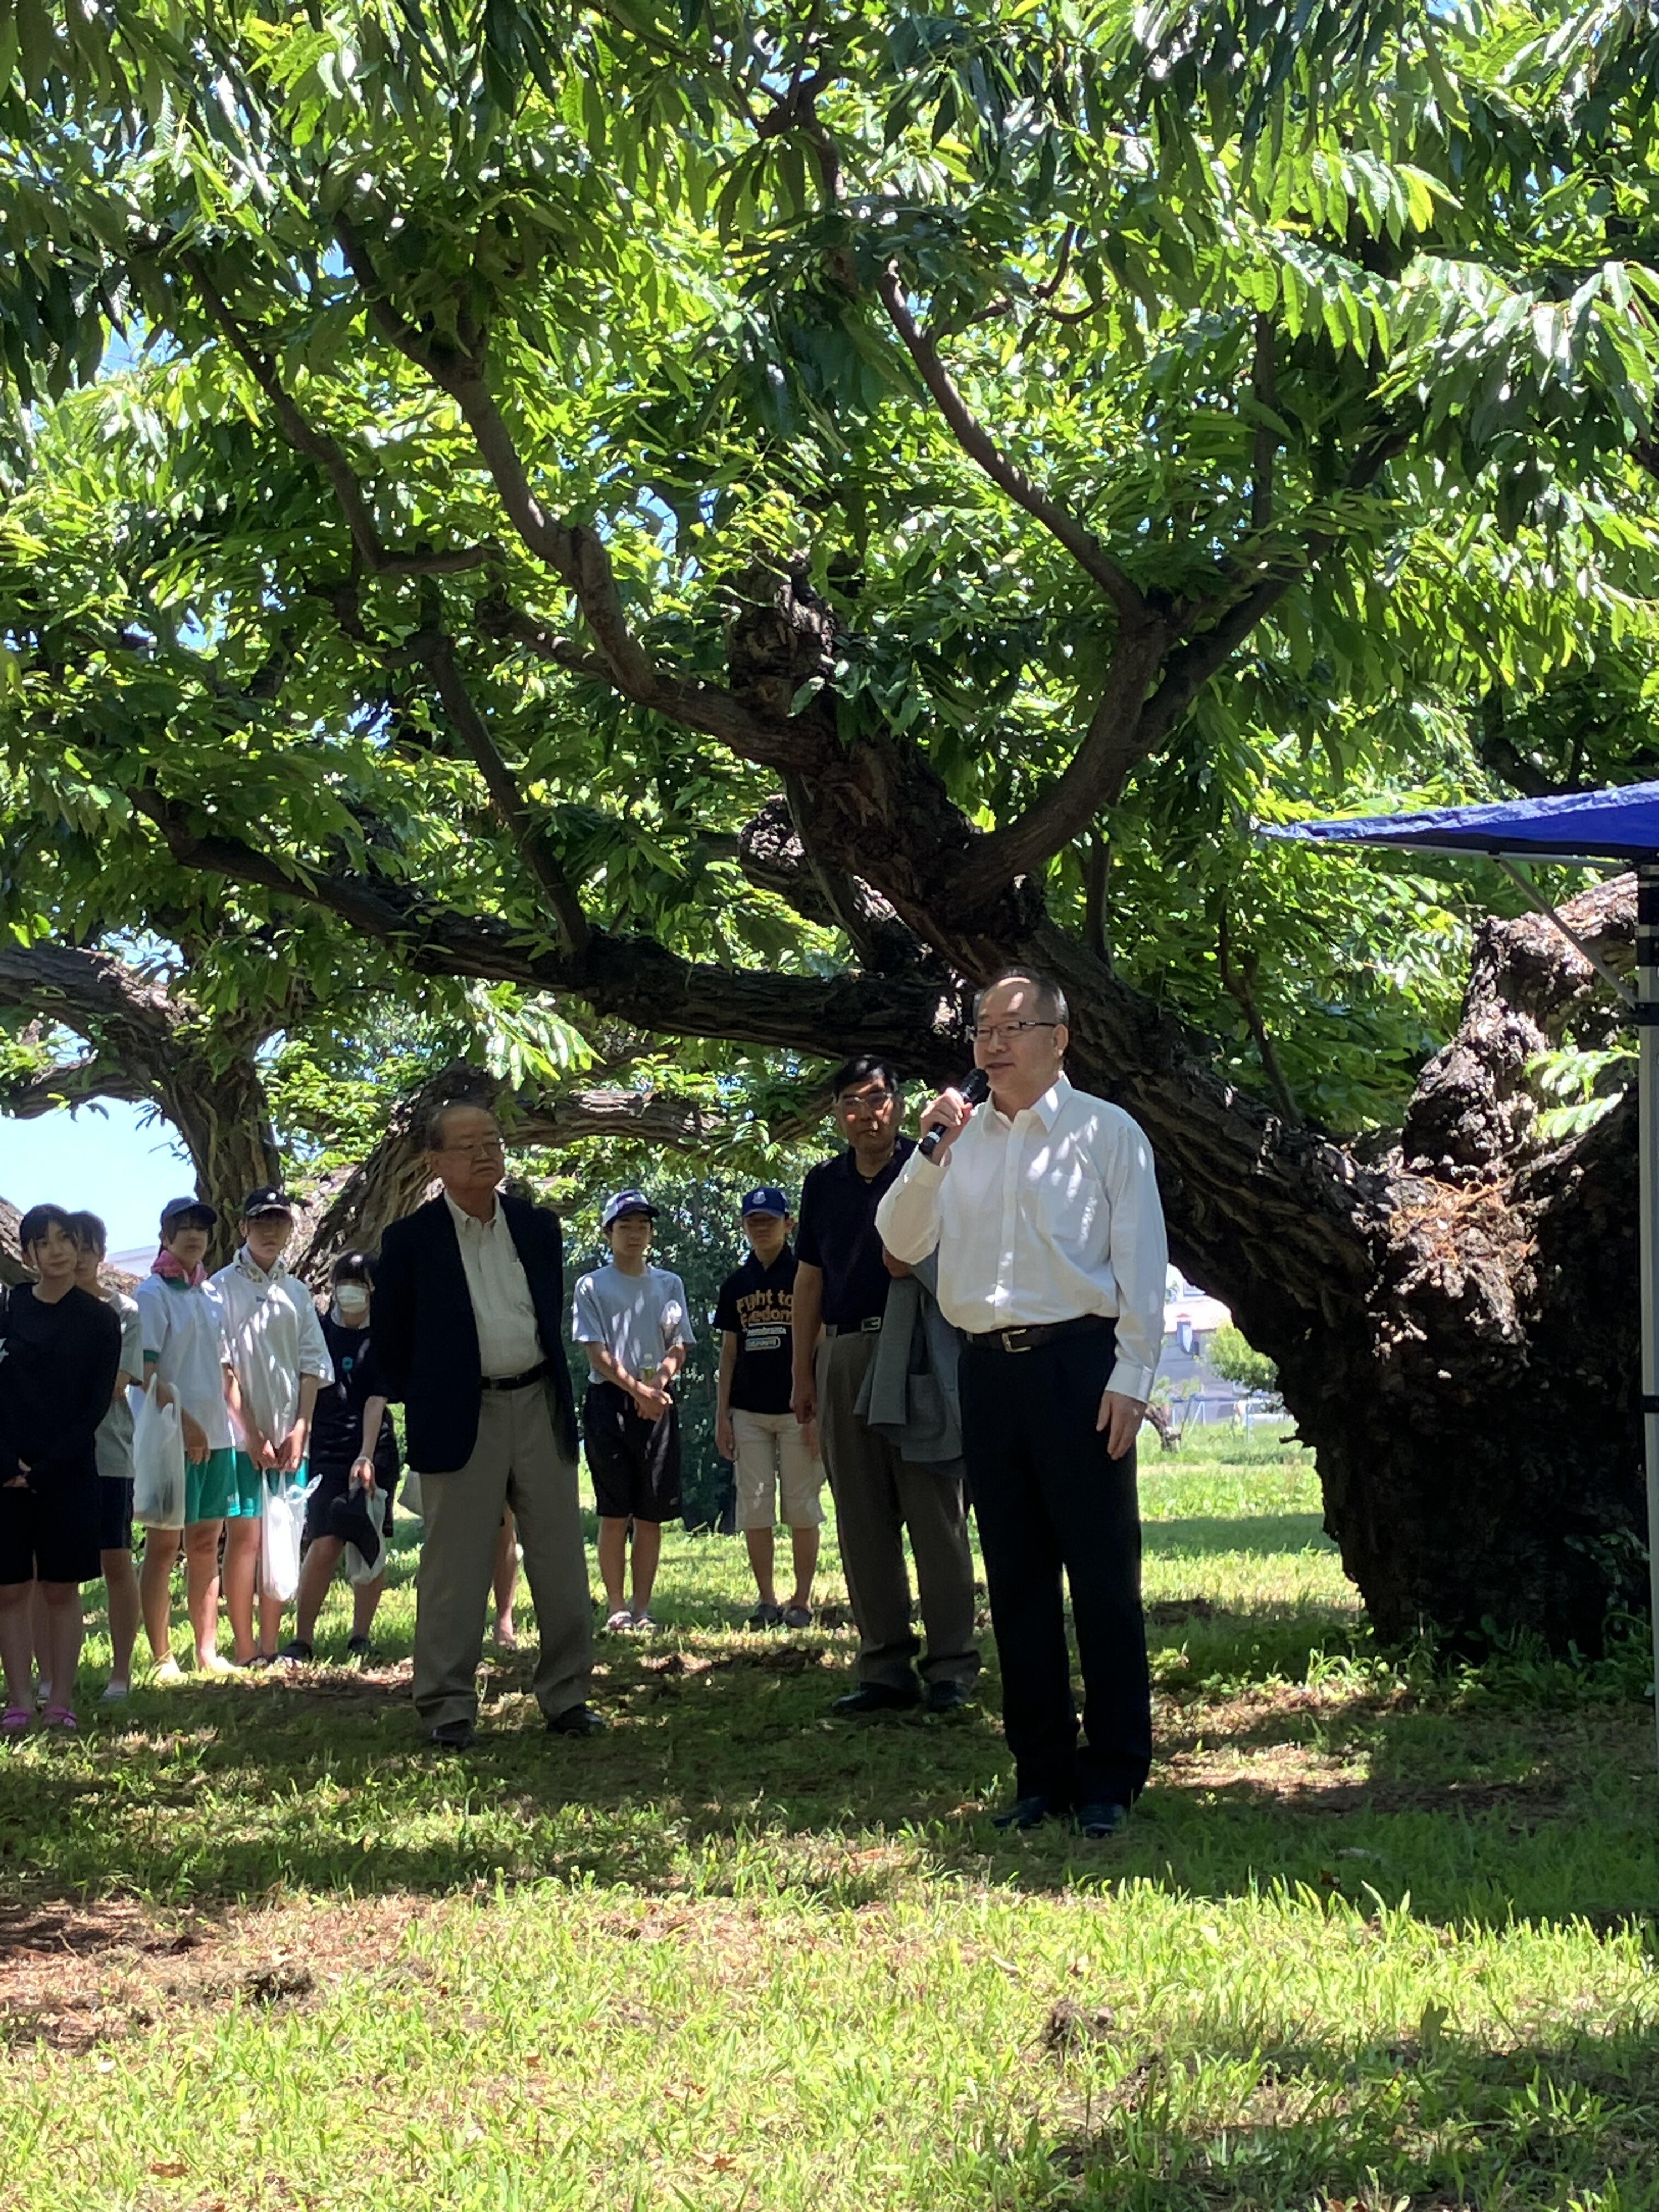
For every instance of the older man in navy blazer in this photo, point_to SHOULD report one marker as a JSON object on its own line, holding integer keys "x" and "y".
{"x": 469, "y": 1296}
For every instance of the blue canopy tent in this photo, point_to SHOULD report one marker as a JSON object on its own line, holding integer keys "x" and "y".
{"x": 1621, "y": 826}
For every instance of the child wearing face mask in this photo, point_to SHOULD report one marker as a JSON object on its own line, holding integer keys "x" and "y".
{"x": 354, "y": 1452}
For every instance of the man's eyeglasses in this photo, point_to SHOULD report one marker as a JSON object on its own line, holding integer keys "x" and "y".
{"x": 988, "y": 1033}
{"x": 483, "y": 1149}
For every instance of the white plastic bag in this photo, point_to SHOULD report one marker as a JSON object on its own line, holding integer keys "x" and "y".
{"x": 357, "y": 1568}
{"x": 280, "y": 1525}
{"x": 158, "y": 1465}
{"x": 409, "y": 1495}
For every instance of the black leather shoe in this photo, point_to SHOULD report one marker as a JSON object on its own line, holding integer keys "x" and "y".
{"x": 874, "y": 1698}
{"x": 577, "y": 1720}
{"x": 1097, "y": 1822}
{"x": 452, "y": 1736}
{"x": 948, "y": 1697}
{"x": 1028, "y": 1813}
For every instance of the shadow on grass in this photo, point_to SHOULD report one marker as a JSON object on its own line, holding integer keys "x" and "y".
{"x": 725, "y": 1775}
{"x": 1254, "y": 1537}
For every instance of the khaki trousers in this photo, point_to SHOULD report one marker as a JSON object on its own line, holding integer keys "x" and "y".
{"x": 879, "y": 1497}
{"x": 518, "y": 1461}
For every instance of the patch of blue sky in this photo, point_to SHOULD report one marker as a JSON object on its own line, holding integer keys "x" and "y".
{"x": 122, "y": 1160}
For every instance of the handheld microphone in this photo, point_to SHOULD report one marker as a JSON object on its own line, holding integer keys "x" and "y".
{"x": 972, "y": 1088}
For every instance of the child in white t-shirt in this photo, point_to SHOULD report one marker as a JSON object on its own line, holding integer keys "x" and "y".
{"x": 630, "y": 1318}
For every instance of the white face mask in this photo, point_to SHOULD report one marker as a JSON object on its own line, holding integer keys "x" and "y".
{"x": 352, "y": 1301}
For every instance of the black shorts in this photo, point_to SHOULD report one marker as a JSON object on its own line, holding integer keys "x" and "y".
{"x": 115, "y": 1512}
{"x": 333, "y": 1482}
{"x": 51, "y": 1531}
{"x": 635, "y": 1463}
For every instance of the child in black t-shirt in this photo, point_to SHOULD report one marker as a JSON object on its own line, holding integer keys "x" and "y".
{"x": 353, "y": 1453}
{"x": 62, "y": 1349}
{"x": 777, "y": 1458}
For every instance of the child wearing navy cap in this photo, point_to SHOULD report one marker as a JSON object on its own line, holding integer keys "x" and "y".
{"x": 780, "y": 1475}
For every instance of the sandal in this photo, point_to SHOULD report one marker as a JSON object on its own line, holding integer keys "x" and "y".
{"x": 14, "y": 1720}
{"x": 61, "y": 1718}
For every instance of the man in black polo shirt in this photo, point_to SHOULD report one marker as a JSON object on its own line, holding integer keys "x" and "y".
{"x": 841, "y": 1281}
{"x": 779, "y": 1473}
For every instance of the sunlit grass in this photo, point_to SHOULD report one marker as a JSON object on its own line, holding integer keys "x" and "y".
{"x": 1373, "y": 1933}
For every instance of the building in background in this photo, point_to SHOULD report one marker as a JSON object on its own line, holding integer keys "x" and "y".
{"x": 1193, "y": 1393}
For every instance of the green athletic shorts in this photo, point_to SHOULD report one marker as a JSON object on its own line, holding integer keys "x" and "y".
{"x": 216, "y": 1488}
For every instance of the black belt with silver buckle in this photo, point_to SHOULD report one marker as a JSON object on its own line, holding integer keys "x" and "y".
{"x": 1028, "y": 1339}
{"x": 518, "y": 1381}
{"x": 865, "y": 1327}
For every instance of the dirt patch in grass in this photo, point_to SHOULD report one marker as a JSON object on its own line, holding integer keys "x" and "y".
{"x": 338, "y": 1685}
{"x": 75, "y": 1976}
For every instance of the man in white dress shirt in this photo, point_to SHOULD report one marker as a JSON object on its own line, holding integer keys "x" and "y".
{"x": 469, "y": 1300}
{"x": 1043, "y": 1206}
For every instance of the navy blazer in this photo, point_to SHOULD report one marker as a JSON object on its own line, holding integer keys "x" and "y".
{"x": 426, "y": 1341}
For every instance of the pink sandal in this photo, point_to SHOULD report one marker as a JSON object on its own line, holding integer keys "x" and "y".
{"x": 61, "y": 1718}
{"x": 14, "y": 1720}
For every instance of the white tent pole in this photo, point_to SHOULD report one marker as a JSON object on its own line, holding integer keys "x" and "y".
{"x": 1647, "y": 1016}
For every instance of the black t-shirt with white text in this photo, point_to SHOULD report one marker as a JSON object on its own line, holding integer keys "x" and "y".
{"x": 757, "y": 1306}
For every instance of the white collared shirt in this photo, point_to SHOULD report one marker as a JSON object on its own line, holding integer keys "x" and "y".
{"x": 184, "y": 1344}
{"x": 1044, "y": 1217}
{"x": 271, "y": 1338}
{"x": 509, "y": 1341}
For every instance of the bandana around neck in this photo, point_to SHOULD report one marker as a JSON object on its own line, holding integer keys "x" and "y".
{"x": 172, "y": 1269}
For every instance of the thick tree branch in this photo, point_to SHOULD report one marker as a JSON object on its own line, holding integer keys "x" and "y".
{"x": 93, "y": 993}
{"x": 70, "y": 1083}
{"x": 841, "y": 896}
{"x": 775, "y": 858}
{"x": 1097, "y": 885}
{"x": 151, "y": 1042}
{"x": 575, "y": 554}
{"x": 12, "y": 1269}
{"x": 1504, "y": 758}
{"x": 1093, "y": 779}
{"x": 530, "y": 837}
{"x": 1127, "y": 724}
{"x": 1084, "y": 548}
{"x": 382, "y": 559}
{"x": 917, "y": 1021}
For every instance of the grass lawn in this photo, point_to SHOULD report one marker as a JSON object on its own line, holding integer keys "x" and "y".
{"x": 1373, "y": 1936}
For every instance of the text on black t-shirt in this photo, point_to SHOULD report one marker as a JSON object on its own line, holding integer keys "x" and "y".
{"x": 757, "y": 1306}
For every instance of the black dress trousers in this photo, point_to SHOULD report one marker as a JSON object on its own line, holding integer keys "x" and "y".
{"x": 1050, "y": 1501}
